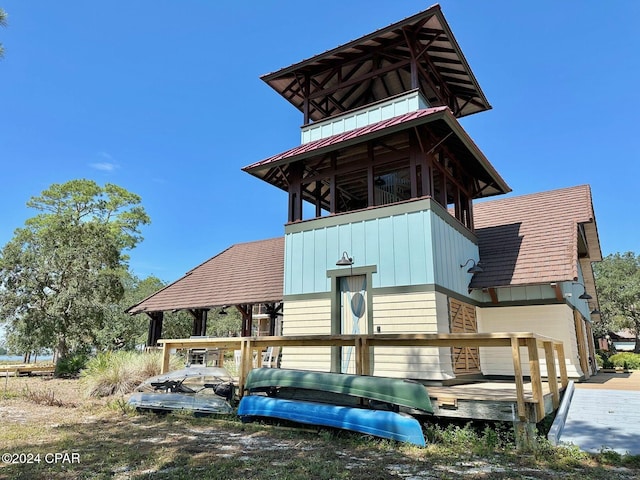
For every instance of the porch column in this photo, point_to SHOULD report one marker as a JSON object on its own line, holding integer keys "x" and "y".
{"x": 199, "y": 322}
{"x": 155, "y": 328}
{"x": 247, "y": 319}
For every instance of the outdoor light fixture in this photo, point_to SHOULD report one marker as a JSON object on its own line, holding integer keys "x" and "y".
{"x": 595, "y": 311}
{"x": 345, "y": 261}
{"x": 223, "y": 310}
{"x": 585, "y": 295}
{"x": 379, "y": 182}
{"x": 475, "y": 268}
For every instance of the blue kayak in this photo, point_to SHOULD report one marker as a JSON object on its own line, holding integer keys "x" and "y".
{"x": 379, "y": 423}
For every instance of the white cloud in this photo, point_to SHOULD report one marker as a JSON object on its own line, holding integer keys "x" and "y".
{"x": 104, "y": 166}
{"x": 106, "y": 162}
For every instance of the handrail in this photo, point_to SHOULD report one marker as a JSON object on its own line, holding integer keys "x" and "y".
{"x": 515, "y": 340}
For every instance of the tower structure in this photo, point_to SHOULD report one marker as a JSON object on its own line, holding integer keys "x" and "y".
{"x": 387, "y": 241}
{"x": 391, "y": 175}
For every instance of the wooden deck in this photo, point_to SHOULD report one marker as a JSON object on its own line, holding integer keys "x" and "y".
{"x": 488, "y": 400}
{"x": 27, "y": 369}
{"x": 525, "y": 400}
{"x": 612, "y": 381}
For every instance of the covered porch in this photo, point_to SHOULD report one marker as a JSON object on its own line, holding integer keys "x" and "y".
{"x": 245, "y": 276}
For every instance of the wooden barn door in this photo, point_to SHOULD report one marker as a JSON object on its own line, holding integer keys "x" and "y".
{"x": 466, "y": 360}
{"x": 583, "y": 348}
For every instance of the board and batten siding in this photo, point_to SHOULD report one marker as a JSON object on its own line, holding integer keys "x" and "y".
{"x": 555, "y": 321}
{"x": 415, "y": 312}
{"x": 411, "y": 244}
{"x": 307, "y": 317}
{"x": 418, "y": 312}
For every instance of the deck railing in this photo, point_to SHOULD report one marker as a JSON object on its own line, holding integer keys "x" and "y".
{"x": 553, "y": 350}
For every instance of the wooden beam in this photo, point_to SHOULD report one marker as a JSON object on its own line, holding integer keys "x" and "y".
{"x": 494, "y": 295}
{"x": 558, "y": 291}
{"x": 372, "y": 74}
{"x": 371, "y": 196}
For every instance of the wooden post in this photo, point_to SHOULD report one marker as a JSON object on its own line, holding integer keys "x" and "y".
{"x": 525, "y": 435}
{"x": 517, "y": 369}
{"x": 155, "y": 328}
{"x": 365, "y": 350}
{"x": 244, "y": 362}
{"x": 562, "y": 363}
{"x": 165, "y": 358}
{"x": 552, "y": 376}
{"x": 536, "y": 380}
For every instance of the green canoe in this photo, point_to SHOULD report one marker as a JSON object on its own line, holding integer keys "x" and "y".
{"x": 394, "y": 391}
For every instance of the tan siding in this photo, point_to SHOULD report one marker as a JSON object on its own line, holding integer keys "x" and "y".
{"x": 307, "y": 317}
{"x": 411, "y": 313}
{"x": 554, "y": 321}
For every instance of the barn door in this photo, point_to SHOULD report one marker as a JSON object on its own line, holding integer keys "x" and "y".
{"x": 466, "y": 360}
{"x": 581, "y": 338}
{"x": 353, "y": 315}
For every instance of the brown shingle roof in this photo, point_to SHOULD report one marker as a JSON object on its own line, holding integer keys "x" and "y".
{"x": 245, "y": 273}
{"x": 526, "y": 240}
{"x": 533, "y": 239}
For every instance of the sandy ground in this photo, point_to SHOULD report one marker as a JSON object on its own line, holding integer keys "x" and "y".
{"x": 157, "y": 446}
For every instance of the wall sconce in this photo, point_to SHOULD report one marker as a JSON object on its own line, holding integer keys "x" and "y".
{"x": 585, "y": 295}
{"x": 475, "y": 268}
{"x": 345, "y": 261}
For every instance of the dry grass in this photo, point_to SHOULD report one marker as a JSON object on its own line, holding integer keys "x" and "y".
{"x": 112, "y": 444}
{"x": 119, "y": 373}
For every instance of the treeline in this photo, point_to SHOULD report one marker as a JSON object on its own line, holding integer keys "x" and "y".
{"x": 65, "y": 281}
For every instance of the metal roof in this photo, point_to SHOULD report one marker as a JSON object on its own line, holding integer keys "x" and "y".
{"x": 446, "y": 123}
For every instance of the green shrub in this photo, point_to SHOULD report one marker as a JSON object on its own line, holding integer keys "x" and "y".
{"x": 71, "y": 366}
{"x": 119, "y": 373}
{"x": 471, "y": 438}
{"x": 626, "y": 360}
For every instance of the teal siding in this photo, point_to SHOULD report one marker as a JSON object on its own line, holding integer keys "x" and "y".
{"x": 452, "y": 250}
{"x": 421, "y": 255}
{"x": 410, "y": 248}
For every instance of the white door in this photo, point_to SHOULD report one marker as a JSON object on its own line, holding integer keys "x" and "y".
{"x": 353, "y": 315}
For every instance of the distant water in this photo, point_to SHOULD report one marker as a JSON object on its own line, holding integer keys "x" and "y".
{"x": 19, "y": 358}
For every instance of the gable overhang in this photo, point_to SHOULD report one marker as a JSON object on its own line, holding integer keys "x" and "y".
{"x": 384, "y": 53}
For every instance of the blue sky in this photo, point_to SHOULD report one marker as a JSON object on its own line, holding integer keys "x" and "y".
{"x": 164, "y": 99}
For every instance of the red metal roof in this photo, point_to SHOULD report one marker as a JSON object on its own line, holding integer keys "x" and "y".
{"x": 311, "y": 147}
{"x": 382, "y": 128}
